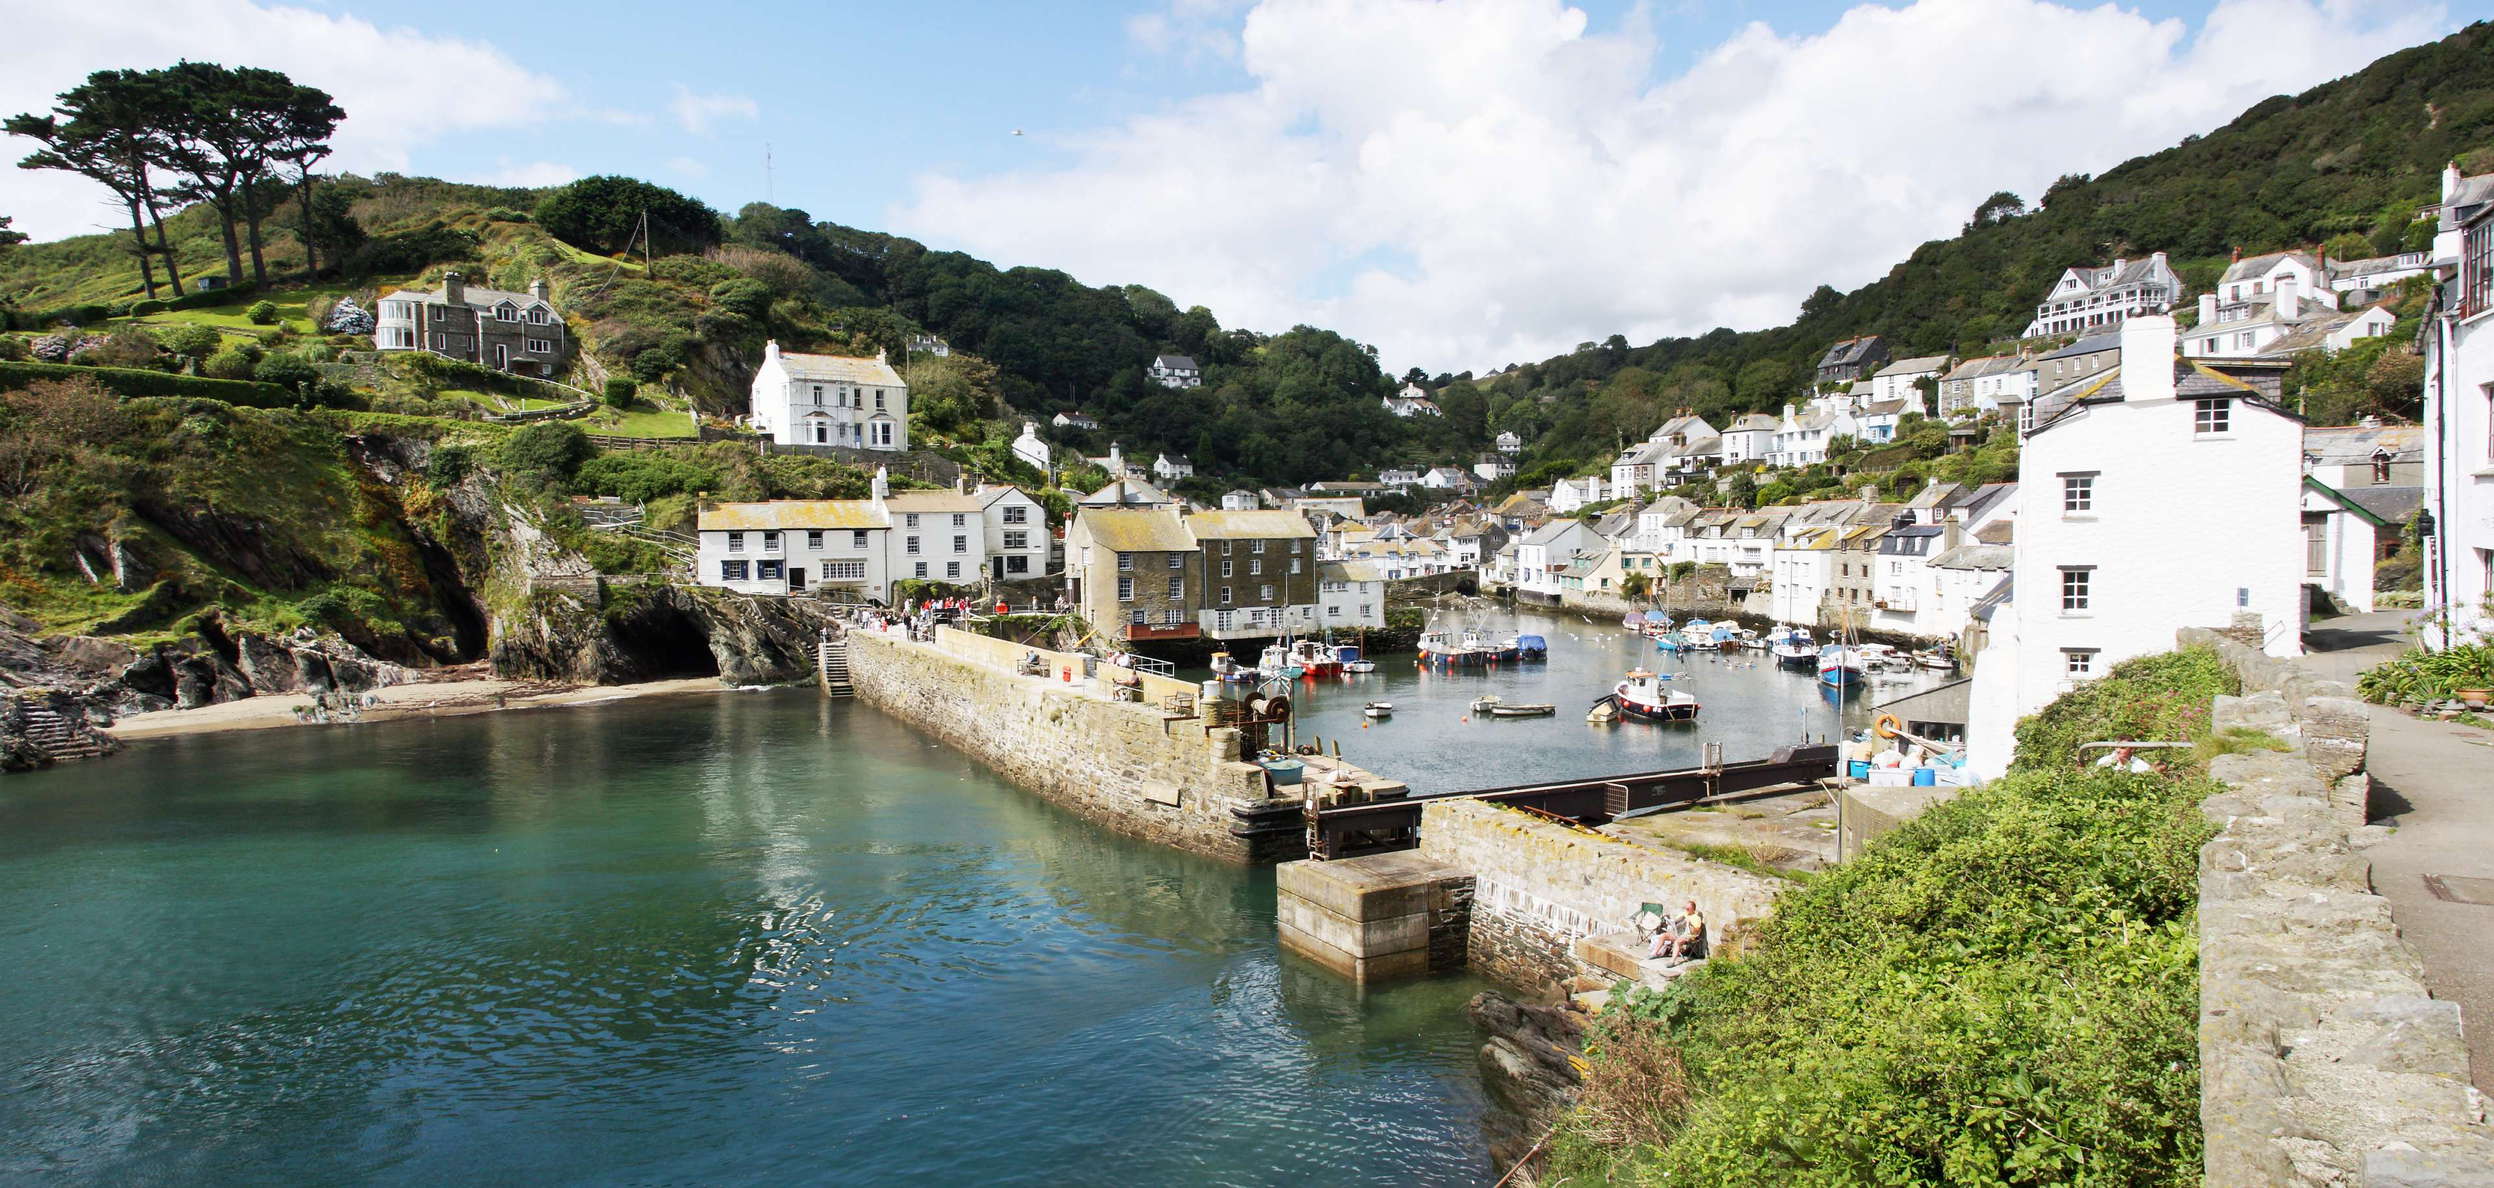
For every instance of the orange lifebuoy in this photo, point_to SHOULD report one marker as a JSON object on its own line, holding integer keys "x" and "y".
{"x": 1888, "y": 726}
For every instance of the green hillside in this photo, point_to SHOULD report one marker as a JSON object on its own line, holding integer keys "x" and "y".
{"x": 2355, "y": 157}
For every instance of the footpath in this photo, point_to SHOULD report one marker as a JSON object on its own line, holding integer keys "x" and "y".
{"x": 2433, "y": 785}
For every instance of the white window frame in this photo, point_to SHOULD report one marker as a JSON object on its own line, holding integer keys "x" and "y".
{"x": 2078, "y": 589}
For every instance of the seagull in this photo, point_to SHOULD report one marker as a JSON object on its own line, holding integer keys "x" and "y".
{"x": 1017, "y": 131}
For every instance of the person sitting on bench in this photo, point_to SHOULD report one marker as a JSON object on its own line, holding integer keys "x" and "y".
{"x": 1684, "y": 938}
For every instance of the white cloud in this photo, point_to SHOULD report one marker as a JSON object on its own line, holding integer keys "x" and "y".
{"x": 697, "y": 112}
{"x": 687, "y": 167}
{"x": 401, "y": 89}
{"x": 1190, "y": 30}
{"x": 531, "y": 174}
{"x": 1471, "y": 182}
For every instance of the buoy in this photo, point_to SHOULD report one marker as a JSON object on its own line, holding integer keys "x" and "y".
{"x": 1888, "y": 726}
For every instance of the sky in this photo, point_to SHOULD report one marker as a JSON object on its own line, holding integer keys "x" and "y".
{"x": 1462, "y": 183}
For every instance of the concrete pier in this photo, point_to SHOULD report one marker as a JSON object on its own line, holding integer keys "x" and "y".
{"x": 1377, "y": 918}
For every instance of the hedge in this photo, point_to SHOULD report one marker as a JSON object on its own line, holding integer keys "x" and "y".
{"x": 87, "y": 314}
{"x": 128, "y": 382}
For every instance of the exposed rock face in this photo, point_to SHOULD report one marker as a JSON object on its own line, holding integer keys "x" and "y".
{"x": 596, "y": 631}
{"x": 1530, "y": 1064}
{"x": 41, "y": 727}
{"x": 105, "y": 678}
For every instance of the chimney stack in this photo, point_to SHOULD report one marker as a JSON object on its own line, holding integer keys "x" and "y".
{"x": 2147, "y": 361}
{"x": 2238, "y": 255}
{"x": 537, "y": 289}
{"x": 2450, "y": 180}
{"x": 881, "y": 488}
{"x": 454, "y": 289}
{"x": 2286, "y": 304}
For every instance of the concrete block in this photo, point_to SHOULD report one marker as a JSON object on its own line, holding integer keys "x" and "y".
{"x": 1375, "y": 887}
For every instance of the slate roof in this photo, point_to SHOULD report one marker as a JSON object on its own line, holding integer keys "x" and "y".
{"x": 2258, "y": 266}
{"x": 2348, "y": 445}
{"x": 840, "y": 369}
{"x": 1988, "y": 365}
{"x": 1915, "y": 366}
{"x": 1137, "y": 530}
{"x": 1750, "y": 422}
{"x": 1122, "y": 492}
{"x": 2090, "y": 345}
{"x": 1178, "y": 362}
{"x": 2393, "y": 505}
{"x": 1850, "y": 350}
{"x": 1249, "y": 525}
{"x": 1975, "y": 556}
{"x": 800, "y": 514}
{"x": 475, "y": 297}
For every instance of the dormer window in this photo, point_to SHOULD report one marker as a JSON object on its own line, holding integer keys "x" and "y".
{"x": 506, "y": 312}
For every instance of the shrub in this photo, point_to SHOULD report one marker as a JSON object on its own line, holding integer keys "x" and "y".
{"x": 2164, "y": 696}
{"x": 449, "y": 465}
{"x": 12, "y": 347}
{"x": 2419, "y": 675}
{"x": 653, "y": 365}
{"x": 286, "y": 370}
{"x": 620, "y": 391}
{"x": 52, "y": 348}
{"x": 228, "y": 364}
{"x": 191, "y": 339}
{"x": 261, "y": 313}
{"x": 128, "y": 382}
{"x": 128, "y": 346}
{"x": 548, "y": 452}
{"x": 640, "y": 477}
{"x": 140, "y": 309}
{"x": 750, "y": 299}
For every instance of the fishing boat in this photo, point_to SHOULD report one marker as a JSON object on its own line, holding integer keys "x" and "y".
{"x": 1644, "y": 697}
{"x": 1439, "y": 649}
{"x": 1840, "y": 668}
{"x": 1316, "y": 659}
{"x": 1671, "y": 641}
{"x": 1229, "y": 671}
{"x": 1499, "y": 653}
{"x": 1277, "y": 663}
{"x": 1378, "y": 709}
{"x": 1793, "y": 648}
{"x": 1532, "y": 647}
{"x": 1355, "y": 657}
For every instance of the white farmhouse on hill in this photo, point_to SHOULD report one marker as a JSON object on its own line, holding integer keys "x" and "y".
{"x": 2090, "y": 300}
{"x": 1175, "y": 371}
{"x": 830, "y": 400}
{"x": 2164, "y": 497}
{"x": 1030, "y": 449}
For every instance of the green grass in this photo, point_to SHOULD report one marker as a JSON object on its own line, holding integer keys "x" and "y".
{"x": 641, "y": 420}
{"x": 293, "y": 312}
{"x": 495, "y": 402}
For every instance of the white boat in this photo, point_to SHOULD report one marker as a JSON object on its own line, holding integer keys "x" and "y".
{"x": 1644, "y": 696}
{"x": 1359, "y": 666}
{"x": 1378, "y": 709}
{"x": 1879, "y": 657}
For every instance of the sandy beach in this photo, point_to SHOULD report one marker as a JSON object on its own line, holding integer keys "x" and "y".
{"x": 421, "y": 699}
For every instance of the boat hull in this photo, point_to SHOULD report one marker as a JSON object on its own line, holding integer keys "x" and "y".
{"x": 1657, "y": 713}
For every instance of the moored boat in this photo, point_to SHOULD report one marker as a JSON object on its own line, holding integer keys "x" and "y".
{"x": 1604, "y": 712}
{"x": 1277, "y": 663}
{"x": 1439, "y": 649}
{"x": 1532, "y": 647}
{"x": 1316, "y": 659}
{"x": 1533, "y": 709}
{"x": 1671, "y": 641}
{"x": 1935, "y": 660}
{"x": 1840, "y": 668}
{"x": 1643, "y": 696}
{"x": 1378, "y": 709}
{"x": 1228, "y": 670}
{"x": 1793, "y": 648}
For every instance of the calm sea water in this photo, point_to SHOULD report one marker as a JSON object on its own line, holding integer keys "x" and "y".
{"x": 1436, "y": 744}
{"x": 688, "y": 940}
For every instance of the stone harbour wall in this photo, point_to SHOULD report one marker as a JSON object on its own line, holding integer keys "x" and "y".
{"x": 1540, "y": 885}
{"x": 1126, "y": 765}
{"x": 2323, "y": 1058}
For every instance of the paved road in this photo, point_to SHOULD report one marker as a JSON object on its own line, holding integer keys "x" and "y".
{"x": 2433, "y": 783}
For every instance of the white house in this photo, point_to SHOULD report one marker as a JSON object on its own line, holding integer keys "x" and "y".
{"x": 791, "y": 546}
{"x": 2165, "y": 498}
{"x": 928, "y": 344}
{"x": 2086, "y": 300}
{"x": 1175, "y": 371}
{"x": 1984, "y": 385}
{"x": 1074, "y": 420}
{"x": 1541, "y": 557}
{"x": 1446, "y": 478}
{"x": 2330, "y": 333}
{"x": 2459, "y": 409}
{"x": 1751, "y": 437}
{"x": 2374, "y": 274}
{"x": 1902, "y": 380}
{"x": 2347, "y": 531}
{"x": 1030, "y": 449}
{"x": 2259, "y": 300}
{"x": 1802, "y": 437}
{"x": 1170, "y": 469}
{"x": 1412, "y": 400}
{"x": 1493, "y": 467}
{"x": 1017, "y": 532}
{"x": 1399, "y": 479}
{"x": 1567, "y": 495}
{"x": 1509, "y": 444}
{"x": 1350, "y": 594}
{"x": 830, "y": 400}
{"x": 1240, "y": 501}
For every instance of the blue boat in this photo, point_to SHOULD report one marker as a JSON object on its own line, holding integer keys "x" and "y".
{"x": 1840, "y": 669}
{"x": 1671, "y": 641}
{"x": 1532, "y": 647}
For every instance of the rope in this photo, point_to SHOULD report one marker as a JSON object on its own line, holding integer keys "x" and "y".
{"x": 1520, "y": 1164}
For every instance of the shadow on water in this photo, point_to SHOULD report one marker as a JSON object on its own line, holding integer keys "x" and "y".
{"x": 682, "y": 939}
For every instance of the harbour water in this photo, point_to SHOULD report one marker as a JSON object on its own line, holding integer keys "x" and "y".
{"x": 739, "y": 937}
{"x": 1436, "y": 743}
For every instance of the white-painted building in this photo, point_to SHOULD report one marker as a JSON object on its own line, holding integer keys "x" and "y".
{"x": 1902, "y": 380}
{"x": 2091, "y": 300}
{"x": 1750, "y": 438}
{"x": 1018, "y": 540}
{"x": 2377, "y": 273}
{"x": 1169, "y": 468}
{"x": 2165, "y": 498}
{"x": 865, "y": 546}
{"x": 1074, "y": 420}
{"x": 1350, "y": 594}
{"x": 2259, "y": 300}
{"x": 1540, "y": 555}
{"x": 1412, "y": 400}
{"x": 1240, "y": 501}
{"x": 1175, "y": 371}
{"x": 1509, "y": 444}
{"x": 1492, "y": 467}
{"x": 2459, "y": 415}
{"x": 1802, "y": 437}
{"x": 1030, "y": 449}
{"x": 1567, "y": 495}
{"x": 830, "y": 400}
{"x": 1985, "y": 385}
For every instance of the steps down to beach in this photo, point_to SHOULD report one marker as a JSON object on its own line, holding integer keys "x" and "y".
{"x": 832, "y": 665}
{"x": 48, "y": 730}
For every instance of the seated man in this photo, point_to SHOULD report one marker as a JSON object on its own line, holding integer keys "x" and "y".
{"x": 2125, "y": 759}
{"x": 1686, "y": 938}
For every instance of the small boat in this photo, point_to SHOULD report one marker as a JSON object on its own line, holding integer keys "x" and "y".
{"x": 1315, "y": 659}
{"x": 1378, "y": 709}
{"x": 1277, "y": 664}
{"x": 1359, "y": 666}
{"x": 1935, "y": 660}
{"x": 1633, "y": 620}
{"x": 1604, "y": 712}
{"x": 1438, "y": 649}
{"x": 1793, "y": 648}
{"x": 1524, "y": 710}
{"x": 1840, "y": 668}
{"x": 1229, "y": 671}
{"x": 1879, "y": 657}
{"x": 1642, "y": 696}
{"x": 1530, "y": 647}
{"x": 1485, "y": 703}
{"x": 1671, "y": 641}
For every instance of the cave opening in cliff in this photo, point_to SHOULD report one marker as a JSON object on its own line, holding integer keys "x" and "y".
{"x": 661, "y": 642}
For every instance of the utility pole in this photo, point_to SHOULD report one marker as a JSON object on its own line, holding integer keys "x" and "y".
{"x": 768, "y": 195}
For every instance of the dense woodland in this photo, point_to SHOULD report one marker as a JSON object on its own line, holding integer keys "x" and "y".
{"x": 664, "y": 290}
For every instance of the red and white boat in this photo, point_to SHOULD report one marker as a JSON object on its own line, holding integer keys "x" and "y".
{"x": 1644, "y": 696}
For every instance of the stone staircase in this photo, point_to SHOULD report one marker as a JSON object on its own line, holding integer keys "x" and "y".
{"x": 56, "y": 737}
{"x": 832, "y": 666}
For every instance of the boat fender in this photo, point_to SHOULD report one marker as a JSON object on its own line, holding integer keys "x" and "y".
{"x": 1888, "y": 726}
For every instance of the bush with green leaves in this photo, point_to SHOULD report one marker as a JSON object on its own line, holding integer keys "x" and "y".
{"x": 261, "y": 313}
{"x": 449, "y": 466}
{"x": 2419, "y": 675}
{"x": 620, "y": 391}
{"x": 13, "y": 348}
{"x": 642, "y": 475}
{"x": 2161, "y": 697}
{"x": 191, "y": 340}
{"x": 548, "y": 452}
{"x": 287, "y": 370}
{"x": 232, "y": 363}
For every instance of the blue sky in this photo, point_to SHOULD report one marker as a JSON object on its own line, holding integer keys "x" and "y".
{"x": 1462, "y": 182}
